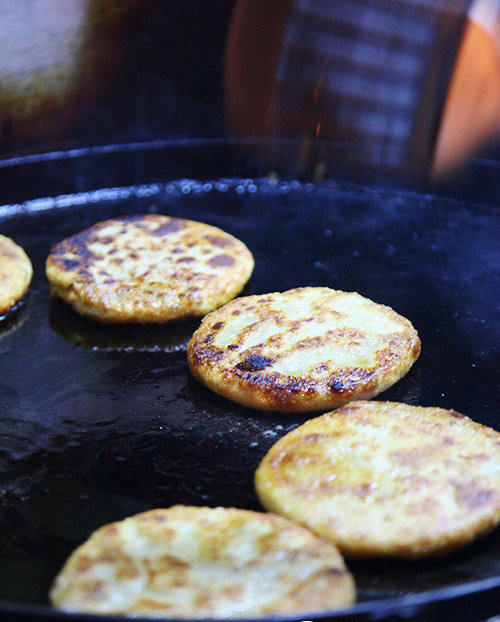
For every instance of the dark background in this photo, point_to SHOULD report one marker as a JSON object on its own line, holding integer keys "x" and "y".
{"x": 145, "y": 68}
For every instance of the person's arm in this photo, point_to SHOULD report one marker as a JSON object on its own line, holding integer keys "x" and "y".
{"x": 413, "y": 85}
{"x": 471, "y": 116}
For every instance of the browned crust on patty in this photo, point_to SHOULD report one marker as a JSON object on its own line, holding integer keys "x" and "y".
{"x": 387, "y": 479}
{"x": 200, "y": 562}
{"x": 252, "y": 369}
{"x": 148, "y": 268}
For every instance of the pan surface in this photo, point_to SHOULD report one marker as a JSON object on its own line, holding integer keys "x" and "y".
{"x": 99, "y": 423}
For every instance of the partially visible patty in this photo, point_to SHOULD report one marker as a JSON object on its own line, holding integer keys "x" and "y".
{"x": 199, "y": 562}
{"x": 148, "y": 268}
{"x": 15, "y": 273}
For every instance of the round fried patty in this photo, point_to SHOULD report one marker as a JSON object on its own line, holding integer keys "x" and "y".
{"x": 306, "y": 349}
{"x": 382, "y": 478}
{"x": 199, "y": 562}
{"x": 148, "y": 268}
{"x": 15, "y": 273}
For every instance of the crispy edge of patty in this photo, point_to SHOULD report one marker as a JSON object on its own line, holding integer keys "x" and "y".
{"x": 70, "y": 282}
{"x": 254, "y": 388}
{"x": 277, "y": 497}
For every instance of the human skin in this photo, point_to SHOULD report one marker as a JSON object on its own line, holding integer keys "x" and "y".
{"x": 471, "y": 113}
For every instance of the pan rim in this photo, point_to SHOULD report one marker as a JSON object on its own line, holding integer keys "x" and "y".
{"x": 397, "y": 605}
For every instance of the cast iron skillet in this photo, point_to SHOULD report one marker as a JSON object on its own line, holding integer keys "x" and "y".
{"x": 100, "y": 423}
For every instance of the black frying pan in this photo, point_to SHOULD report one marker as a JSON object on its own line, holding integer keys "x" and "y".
{"x": 100, "y": 423}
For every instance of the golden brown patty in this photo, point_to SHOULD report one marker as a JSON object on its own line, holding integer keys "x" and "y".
{"x": 148, "y": 268}
{"x": 15, "y": 273}
{"x": 306, "y": 349}
{"x": 202, "y": 562}
{"x": 382, "y": 478}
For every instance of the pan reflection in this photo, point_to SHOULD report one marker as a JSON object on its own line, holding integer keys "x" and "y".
{"x": 84, "y": 333}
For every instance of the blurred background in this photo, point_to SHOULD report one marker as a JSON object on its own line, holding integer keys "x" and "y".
{"x": 98, "y": 71}
{"x": 377, "y": 75}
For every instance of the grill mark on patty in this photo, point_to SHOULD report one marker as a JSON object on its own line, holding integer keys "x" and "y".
{"x": 471, "y": 496}
{"x": 337, "y": 386}
{"x": 255, "y": 362}
{"x": 69, "y": 264}
{"x": 173, "y": 226}
{"x": 219, "y": 261}
{"x": 219, "y": 241}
